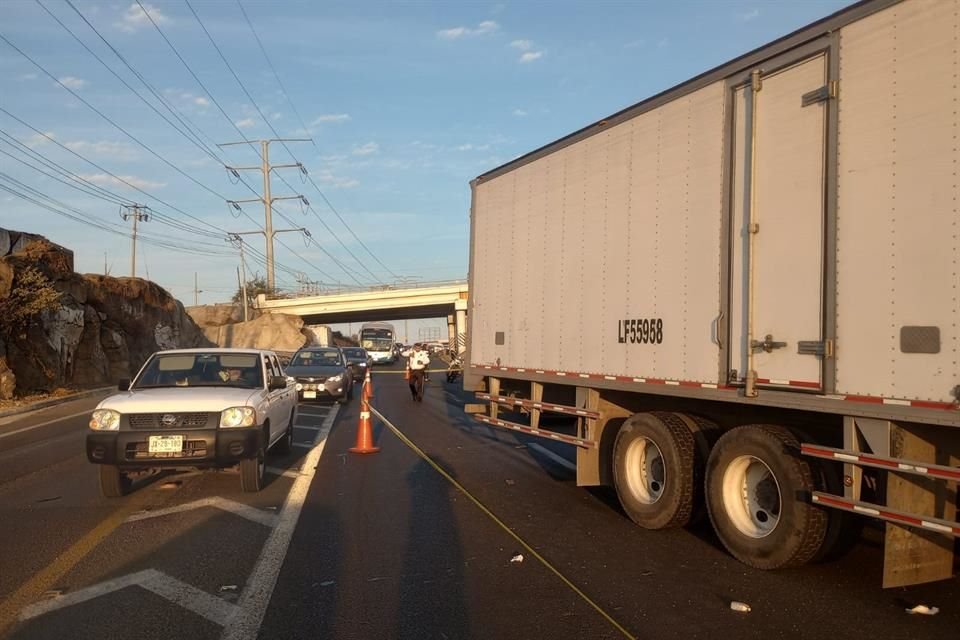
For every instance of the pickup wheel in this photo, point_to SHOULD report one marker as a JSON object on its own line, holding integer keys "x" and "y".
{"x": 758, "y": 488}
{"x": 113, "y": 482}
{"x": 252, "y": 472}
{"x": 655, "y": 458}
{"x": 285, "y": 444}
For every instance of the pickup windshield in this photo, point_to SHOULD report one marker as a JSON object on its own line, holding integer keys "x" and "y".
{"x": 202, "y": 370}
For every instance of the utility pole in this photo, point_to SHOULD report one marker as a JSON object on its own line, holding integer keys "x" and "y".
{"x": 139, "y": 214}
{"x": 196, "y": 290}
{"x": 243, "y": 289}
{"x": 236, "y": 237}
{"x": 266, "y": 168}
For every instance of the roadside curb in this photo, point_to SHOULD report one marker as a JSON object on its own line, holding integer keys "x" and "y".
{"x": 43, "y": 404}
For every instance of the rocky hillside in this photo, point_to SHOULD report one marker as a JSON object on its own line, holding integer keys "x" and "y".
{"x": 59, "y": 328}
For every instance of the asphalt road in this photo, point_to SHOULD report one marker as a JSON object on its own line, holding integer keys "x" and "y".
{"x": 386, "y": 546}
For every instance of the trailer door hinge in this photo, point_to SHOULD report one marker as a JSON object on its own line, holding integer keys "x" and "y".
{"x": 824, "y": 93}
{"x": 755, "y": 82}
{"x": 822, "y": 348}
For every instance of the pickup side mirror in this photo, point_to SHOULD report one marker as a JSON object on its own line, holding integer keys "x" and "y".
{"x": 277, "y": 382}
{"x": 123, "y": 384}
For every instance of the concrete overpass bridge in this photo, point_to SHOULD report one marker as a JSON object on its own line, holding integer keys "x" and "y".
{"x": 441, "y": 300}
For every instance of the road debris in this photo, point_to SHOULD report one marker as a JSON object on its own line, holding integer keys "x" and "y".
{"x": 228, "y": 587}
{"x": 510, "y": 482}
{"x": 742, "y": 607}
{"x": 924, "y": 610}
{"x": 377, "y": 579}
{"x": 328, "y": 583}
{"x": 517, "y": 558}
{"x": 51, "y": 594}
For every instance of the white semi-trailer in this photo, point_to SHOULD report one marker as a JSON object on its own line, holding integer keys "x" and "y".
{"x": 747, "y": 288}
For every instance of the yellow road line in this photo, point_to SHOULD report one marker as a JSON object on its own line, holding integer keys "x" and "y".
{"x": 31, "y": 591}
{"x": 403, "y": 438}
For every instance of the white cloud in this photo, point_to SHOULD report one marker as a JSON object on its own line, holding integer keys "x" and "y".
{"x": 276, "y": 116}
{"x": 455, "y": 33}
{"x": 530, "y": 56}
{"x": 246, "y": 123}
{"x": 520, "y": 113}
{"x": 331, "y": 181}
{"x": 330, "y": 117}
{"x": 135, "y": 17}
{"x": 523, "y": 45}
{"x": 473, "y": 147}
{"x": 368, "y": 149}
{"x": 116, "y": 150}
{"x": 119, "y": 181}
{"x": 27, "y": 76}
{"x": 200, "y": 101}
{"x": 38, "y": 139}
{"x": 750, "y": 15}
{"x": 72, "y": 83}
{"x": 633, "y": 44}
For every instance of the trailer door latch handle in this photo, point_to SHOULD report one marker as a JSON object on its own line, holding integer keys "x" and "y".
{"x": 767, "y": 345}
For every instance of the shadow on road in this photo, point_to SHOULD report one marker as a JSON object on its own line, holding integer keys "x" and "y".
{"x": 432, "y": 598}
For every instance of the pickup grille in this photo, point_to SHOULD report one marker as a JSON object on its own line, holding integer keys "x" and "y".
{"x": 151, "y": 421}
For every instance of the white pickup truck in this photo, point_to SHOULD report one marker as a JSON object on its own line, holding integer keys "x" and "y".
{"x": 194, "y": 409}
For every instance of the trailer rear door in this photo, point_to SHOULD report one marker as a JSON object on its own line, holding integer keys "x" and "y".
{"x": 779, "y": 188}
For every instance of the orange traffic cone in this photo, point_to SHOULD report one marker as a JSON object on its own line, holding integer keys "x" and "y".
{"x": 364, "y": 431}
{"x": 368, "y": 388}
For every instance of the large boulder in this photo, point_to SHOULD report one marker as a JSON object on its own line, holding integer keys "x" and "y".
{"x": 275, "y": 331}
{"x": 101, "y": 328}
{"x": 217, "y": 315}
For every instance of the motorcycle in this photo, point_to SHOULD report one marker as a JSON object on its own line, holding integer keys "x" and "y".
{"x": 454, "y": 369}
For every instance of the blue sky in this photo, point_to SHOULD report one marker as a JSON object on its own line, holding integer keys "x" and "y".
{"x": 405, "y": 102}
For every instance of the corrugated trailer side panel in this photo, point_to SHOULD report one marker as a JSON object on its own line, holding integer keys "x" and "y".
{"x": 631, "y": 223}
{"x": 898, "y": 221}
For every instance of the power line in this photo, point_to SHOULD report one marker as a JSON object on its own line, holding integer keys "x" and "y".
{"x": 113, "y": 175}
{"x": 108, "y": 119}
{"x": 213, "y": 98}
{"x": 274, "y": 131}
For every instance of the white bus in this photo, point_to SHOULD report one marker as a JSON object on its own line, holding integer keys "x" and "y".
{"x": 378, "y": 339}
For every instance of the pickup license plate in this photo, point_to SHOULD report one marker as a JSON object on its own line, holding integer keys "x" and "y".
{"x": 307, "y": 395}
{"x": 165, "y": 444}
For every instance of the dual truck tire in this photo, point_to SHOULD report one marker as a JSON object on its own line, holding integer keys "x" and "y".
{"x": 671, "y": 468}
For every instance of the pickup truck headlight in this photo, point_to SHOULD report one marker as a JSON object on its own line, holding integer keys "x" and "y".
{"x": 362, "y": 364}
{"x": 105, "y": 420}
{"x": 336, "y": 378}
{"x": 238, "y": 417}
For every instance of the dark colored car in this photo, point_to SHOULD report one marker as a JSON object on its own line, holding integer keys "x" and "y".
{"x": 358, "y": 360}
{"x": 321, "y": 372}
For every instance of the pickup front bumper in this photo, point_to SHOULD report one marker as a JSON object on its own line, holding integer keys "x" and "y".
{"x": 202, "y": 448}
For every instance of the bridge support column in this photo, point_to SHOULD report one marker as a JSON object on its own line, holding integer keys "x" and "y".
{"x": 460, "y": 309}
{"x": 452, "y": 332}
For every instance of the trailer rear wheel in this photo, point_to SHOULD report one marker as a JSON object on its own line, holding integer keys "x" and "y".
{"x": 758, "y": 489}
{"x": 653, "y": 467}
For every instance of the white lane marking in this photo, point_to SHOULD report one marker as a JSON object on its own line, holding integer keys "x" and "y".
{"x": 242, "y": 510}
{"x": 550, "y": 454}
{"x": 286, "y": 473}
{"x": 44, "y": 424}
{"x": 252, "y": 606}
{"x": 189, "y": 597}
